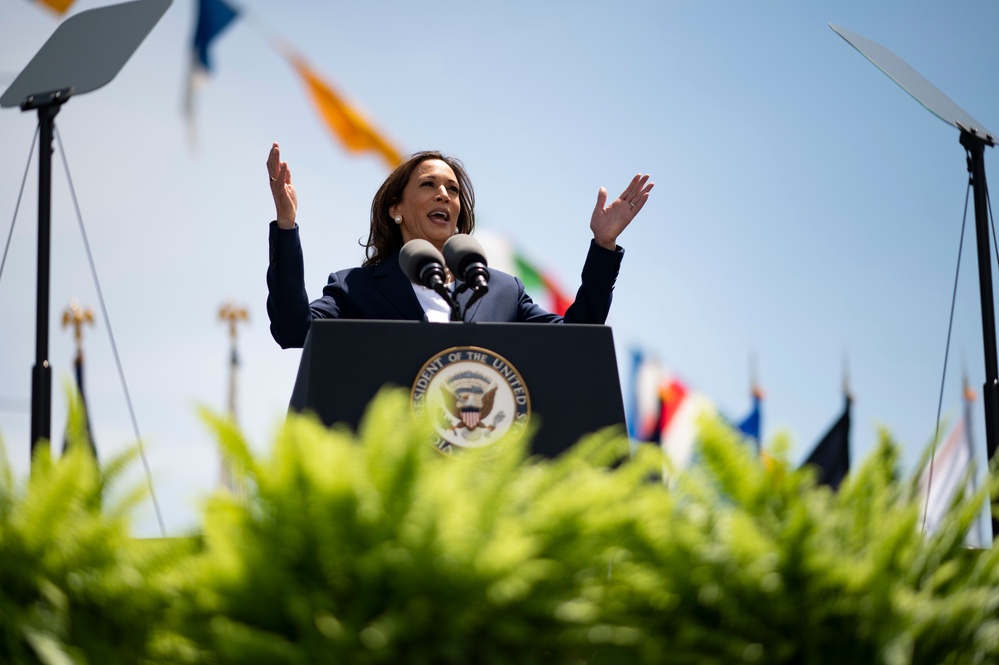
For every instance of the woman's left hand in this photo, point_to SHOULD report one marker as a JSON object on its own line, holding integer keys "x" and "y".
{"x": 607, "y": 223}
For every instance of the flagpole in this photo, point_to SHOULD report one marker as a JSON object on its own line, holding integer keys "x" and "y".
{"x": 231, "y": 314}
{"x": 76, "y": 317}
{"x": 975, "y": 147}
{"x": 969, "y": 441}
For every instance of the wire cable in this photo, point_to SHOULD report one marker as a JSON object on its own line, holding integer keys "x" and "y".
{"x": 20, "y": 193}
{"x": 114, "y": 347}
{"x": 943, "y": 379}
{"x": 992, "y": 221}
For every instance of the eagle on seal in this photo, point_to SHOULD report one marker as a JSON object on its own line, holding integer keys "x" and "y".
{"x": 470, "y": 401}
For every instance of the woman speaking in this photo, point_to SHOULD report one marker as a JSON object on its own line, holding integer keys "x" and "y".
{"x": 428, "y": 197}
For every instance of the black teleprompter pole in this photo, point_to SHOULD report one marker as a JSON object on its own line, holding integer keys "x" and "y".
{"x": 85, "y": 52}
{"x": 974, "y": 138}
{"x": 990, "y": 390}
{"x": 41, "y": 373}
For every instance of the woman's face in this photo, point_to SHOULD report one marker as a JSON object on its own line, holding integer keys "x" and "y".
{"x": 430, "y": 203}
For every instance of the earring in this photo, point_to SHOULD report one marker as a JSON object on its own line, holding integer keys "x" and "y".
{"x": 398, "y": 219}
{"x": 455, "y": 232}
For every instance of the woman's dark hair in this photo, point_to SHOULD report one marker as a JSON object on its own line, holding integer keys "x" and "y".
{"x": 385, "y": 236}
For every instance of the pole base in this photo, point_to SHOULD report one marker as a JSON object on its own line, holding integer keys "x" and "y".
{"x": 41, "y": 406}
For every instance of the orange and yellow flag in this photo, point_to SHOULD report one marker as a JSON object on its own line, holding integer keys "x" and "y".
{"x": 58, "y": 6}
{"x": 343, "y": 120}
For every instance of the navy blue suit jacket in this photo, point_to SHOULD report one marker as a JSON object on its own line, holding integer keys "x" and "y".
{"x": 382, "y": 291}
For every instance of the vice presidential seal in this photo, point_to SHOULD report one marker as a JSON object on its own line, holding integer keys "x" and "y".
{"x": 475, "y": 399}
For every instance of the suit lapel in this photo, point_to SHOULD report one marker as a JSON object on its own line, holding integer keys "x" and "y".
{"x": 464, "y": 298}
{"x": 397, "y": 290}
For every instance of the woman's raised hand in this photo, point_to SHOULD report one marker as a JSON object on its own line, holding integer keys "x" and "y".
{"x": 285, "y": 198}
{"x": 608, "y": 222}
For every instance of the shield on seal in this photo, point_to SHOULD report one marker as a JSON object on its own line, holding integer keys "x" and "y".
{"x": 470, "y": 417}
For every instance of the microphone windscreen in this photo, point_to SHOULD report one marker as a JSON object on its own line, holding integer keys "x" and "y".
{"x": 460, "y": 251}
{"x": 415, "y": 255}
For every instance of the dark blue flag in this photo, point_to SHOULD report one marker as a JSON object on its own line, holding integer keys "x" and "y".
{"x": 831, "y": 455}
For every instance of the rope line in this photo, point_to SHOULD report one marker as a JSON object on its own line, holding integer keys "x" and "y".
{"x": 943, "y": 378}
{"x": 114, "y": 346}
{"x": 20, "y": 193}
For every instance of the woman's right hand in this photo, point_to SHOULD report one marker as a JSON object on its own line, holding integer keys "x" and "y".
{"x": 285, "y": 198}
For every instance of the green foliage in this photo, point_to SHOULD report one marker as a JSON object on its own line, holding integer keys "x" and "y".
{"x": 756, "y": 564}
{"x": 375, "y": 548}
{"x": 380, "y": 550}
{"x": 74, "y": 587}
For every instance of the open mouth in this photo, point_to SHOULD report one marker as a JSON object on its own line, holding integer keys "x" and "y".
{"x": 439, "y": 215}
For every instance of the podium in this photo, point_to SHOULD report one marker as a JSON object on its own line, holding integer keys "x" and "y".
{"x": 480, "y": 382}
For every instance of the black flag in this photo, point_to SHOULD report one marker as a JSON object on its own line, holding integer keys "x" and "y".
{"x": 831, "y": 455}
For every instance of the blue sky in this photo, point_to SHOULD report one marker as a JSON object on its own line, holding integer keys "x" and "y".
{"x": 806, "y": 209}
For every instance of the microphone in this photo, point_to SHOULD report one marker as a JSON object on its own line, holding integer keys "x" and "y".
{"x": 423, "y": 264}
{"x": 466, "y": 260}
